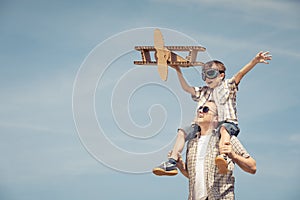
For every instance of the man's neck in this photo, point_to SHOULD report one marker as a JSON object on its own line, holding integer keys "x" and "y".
{"x": 206, "y": 129}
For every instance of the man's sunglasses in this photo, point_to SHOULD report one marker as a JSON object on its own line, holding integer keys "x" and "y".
{"x": 210, "y": 73}
{"x": 204, "y": 109}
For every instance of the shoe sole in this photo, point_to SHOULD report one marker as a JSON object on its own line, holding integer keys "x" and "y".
{"x": 161, "y": 172}
{"x": 222, "y": 165}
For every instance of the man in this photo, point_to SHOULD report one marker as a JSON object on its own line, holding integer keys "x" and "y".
{"x": 204, "y": 180}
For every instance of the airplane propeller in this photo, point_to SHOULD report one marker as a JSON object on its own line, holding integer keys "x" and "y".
{"x": 162, "y": 54}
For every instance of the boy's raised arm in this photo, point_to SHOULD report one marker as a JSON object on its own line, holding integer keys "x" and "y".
{"x": 261, "y": 57}
{"x": 185, "y": 86}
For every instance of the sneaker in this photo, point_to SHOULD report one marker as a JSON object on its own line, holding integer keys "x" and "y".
{"x": 221, "y": 162}
{"x": 165, "y": 169}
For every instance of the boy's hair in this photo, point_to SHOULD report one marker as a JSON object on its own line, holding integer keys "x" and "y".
{"x": 219, "y": 64}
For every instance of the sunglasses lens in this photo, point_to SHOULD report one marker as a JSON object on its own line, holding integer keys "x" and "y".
{"x": 204, "y": 109}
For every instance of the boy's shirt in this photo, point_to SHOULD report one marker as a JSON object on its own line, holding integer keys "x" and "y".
{"x": 203, "y": 94}
{"x": 224, "y": 96}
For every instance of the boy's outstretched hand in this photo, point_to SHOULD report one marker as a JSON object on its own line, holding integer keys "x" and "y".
{"x": 263, "y": 57}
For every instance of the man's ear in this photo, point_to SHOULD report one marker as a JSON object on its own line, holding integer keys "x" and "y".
{"x": 215, "y": 120}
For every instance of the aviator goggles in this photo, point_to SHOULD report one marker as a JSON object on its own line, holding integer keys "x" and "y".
{"x": 210, "y": 73}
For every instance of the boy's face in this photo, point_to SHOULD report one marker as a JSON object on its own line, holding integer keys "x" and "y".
{"x": 213, "y": 77}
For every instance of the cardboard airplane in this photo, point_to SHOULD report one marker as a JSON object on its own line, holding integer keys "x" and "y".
{"x": 165, "y": 56}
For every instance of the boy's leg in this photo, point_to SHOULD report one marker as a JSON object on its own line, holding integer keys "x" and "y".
{"x": 227, "y": 129}
{"x": 168, "y": 168}
{"x": 221, "y": 160}
{"x": 179, "y": 144}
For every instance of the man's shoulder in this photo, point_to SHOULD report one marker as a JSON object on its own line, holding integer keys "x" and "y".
{"x": 238, "y": 147}
{"x": 234, "y": 139}
{"x": 236, "y": 142}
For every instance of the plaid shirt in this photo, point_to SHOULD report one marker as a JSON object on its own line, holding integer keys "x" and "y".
{"x": 203, "y": 94}
{"x": 225, "y": 99}
{"x": 218, "y": 186}
{"x": 224, "y": 96}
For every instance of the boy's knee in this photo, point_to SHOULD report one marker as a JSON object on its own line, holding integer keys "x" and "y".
{"x": 223, "y": 129}
{"x": 181, "y": 133}
{"x": 230, "y": 129}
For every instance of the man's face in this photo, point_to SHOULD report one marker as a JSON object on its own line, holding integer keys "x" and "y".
{"x": 207, "y": 113}
{"x": 212, "y": 76}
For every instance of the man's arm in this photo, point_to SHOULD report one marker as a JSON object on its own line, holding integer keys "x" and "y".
{"x": 185, "y": 86}
{"x": 247, "y": 164}
{"x": 181, "y": 166}
{"x": 261, "y": 57}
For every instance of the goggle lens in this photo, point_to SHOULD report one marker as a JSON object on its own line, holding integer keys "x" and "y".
{"x": 210, "y": 73}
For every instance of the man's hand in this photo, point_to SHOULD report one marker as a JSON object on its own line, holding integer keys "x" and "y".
{"x": 226, "y": 148}
{"x": 180, "y": 163}
{"x": 247, "y": 164}
{"x": 181, "y": 166}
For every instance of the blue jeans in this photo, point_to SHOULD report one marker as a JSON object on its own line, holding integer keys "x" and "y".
{"x": 231, "y": 128}
{"x": 190, "y": 131}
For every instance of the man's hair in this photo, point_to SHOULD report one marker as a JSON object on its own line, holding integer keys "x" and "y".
{"x": 219, "y": 64}
{"x": 213, "y": 101}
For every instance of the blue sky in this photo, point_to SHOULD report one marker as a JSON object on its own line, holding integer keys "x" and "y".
{"x": 47, "y": 45}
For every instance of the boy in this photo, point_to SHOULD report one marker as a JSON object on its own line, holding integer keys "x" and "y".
{"x": 223, "y": 92}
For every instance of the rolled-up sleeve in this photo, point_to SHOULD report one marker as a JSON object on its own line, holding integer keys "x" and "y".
{"x": 238, "y": 148}
{"x": 201, "y": 93}
{"x": 196, "y": 97}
